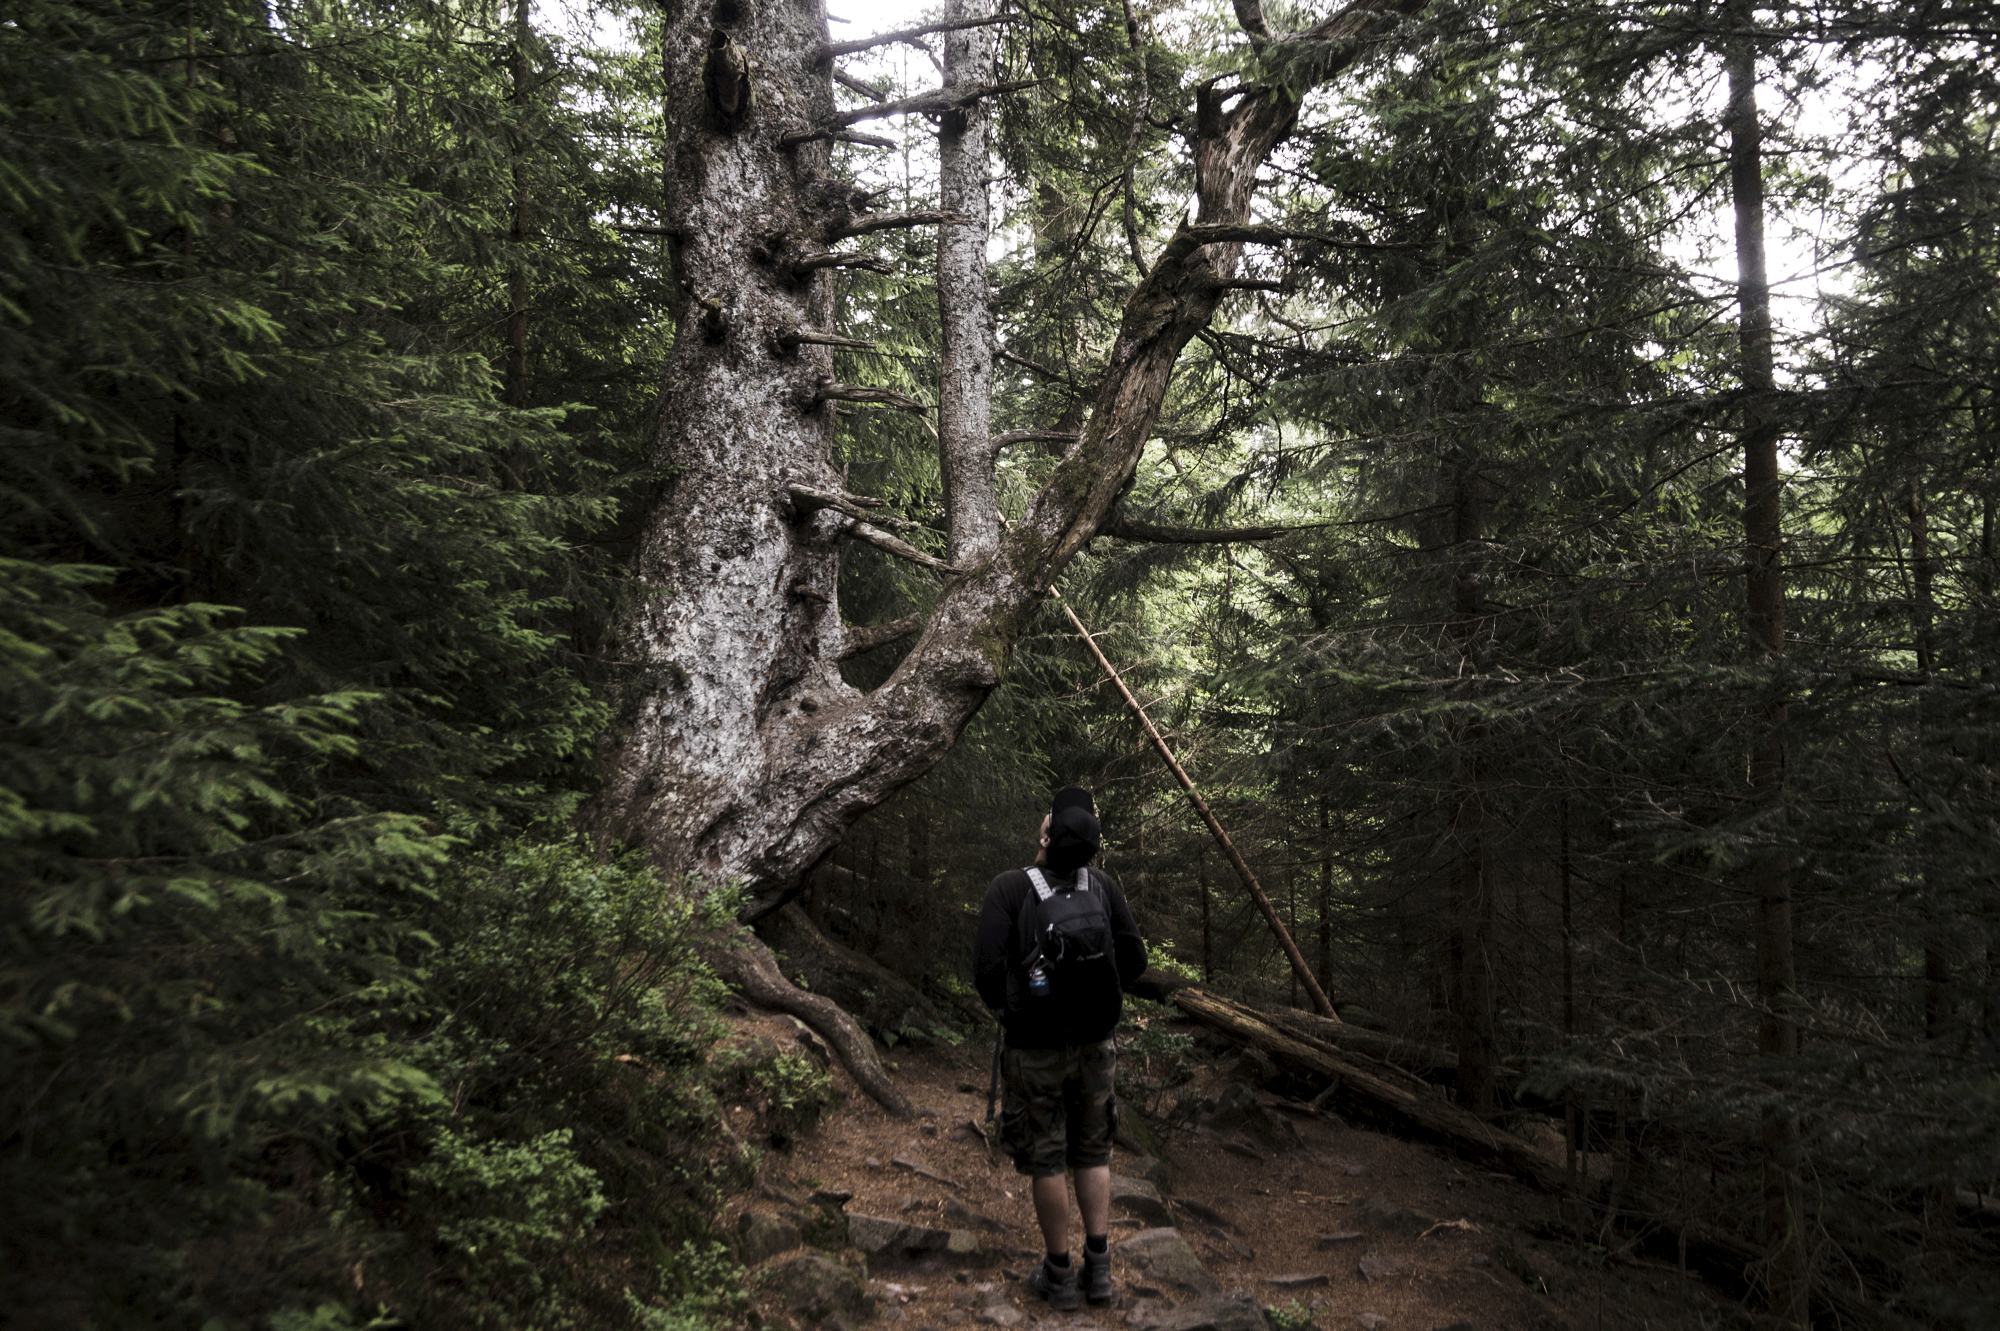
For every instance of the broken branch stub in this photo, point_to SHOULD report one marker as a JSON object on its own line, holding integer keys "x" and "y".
{"x": 830, "y": 391}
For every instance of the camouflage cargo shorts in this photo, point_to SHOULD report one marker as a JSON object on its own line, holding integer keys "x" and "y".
{"x": 1059, "y": 1109}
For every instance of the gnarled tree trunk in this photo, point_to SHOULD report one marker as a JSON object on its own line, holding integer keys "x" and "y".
{"x": 745, "y": 755}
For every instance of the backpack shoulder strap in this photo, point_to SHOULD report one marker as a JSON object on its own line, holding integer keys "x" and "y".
{"x": 1041, "y": 884}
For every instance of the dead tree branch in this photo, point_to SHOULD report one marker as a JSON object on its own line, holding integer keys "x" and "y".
{"x": 869, "y": 223}
{"x": 930, "y": 103}
{"x": 812, "y": 263}
{"x": 829, "y": 391}
{"x": 1011, "y": 437}
{"x": 881, "y": 540}
{"x": 866, "y": 638}
{"x": 1126, "y": 529}
{"x": 789, "y": 339}
{"x": 868, "y": 90}
{"x": 832, "y": 49}
{"x": 809, "y": 499}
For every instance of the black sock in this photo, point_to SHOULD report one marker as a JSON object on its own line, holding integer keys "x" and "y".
{"x": 1096, "y": 1245}
{"x": 1060, "y": 1260}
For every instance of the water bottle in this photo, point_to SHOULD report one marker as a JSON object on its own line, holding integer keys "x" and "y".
{"x": 1038, "y": 979}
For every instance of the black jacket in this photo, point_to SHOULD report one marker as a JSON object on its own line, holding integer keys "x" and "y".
{"x": 999, "y": 970}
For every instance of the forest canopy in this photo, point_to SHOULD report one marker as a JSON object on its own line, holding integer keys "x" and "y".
{"x": 1536, "y": 460}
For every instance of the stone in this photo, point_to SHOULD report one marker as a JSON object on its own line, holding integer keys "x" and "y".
{"x": 956, "y": 1317}
{"x": 964, "y": 1217}
{"x": 1389, "y": 1217}
{"x": 1002, "y": 1314}
{"x": 761, "y": 1235}
{"x": 922, "y": 1170}
{"x": 1457, "y": 1326}
{"x": 1512, "y": 1262}
{"x": 1217, "y": 1312}
{"x": 1139, "y": 1198}
{"x": 1299, "y": 1280}
{"x": 1202, "y": 1211}
{"x": 1372, "y": 1321}
{"x": 1334, "y": 1240}
{"x": 1146, "y": 1314}
{"x": 870, "y": 1162}
{"x": 1380, "y": 1266}
{"x": 1237, "y": 1110}
{"x": 880, "y": 1236}
{"x": 1166, "y": 1259}
{"x": 1145, "y": 1167}
{"x": 1356, "y": 1171}
{"x": 812, "y": 1288}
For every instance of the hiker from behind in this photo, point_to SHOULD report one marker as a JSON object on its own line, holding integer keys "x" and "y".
{"x": 1056, "y": 947}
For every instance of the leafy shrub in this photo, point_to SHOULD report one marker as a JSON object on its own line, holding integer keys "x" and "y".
{"x": 568, "y": 1015}
{"x": 700, "y": 1285}
{"x": 789, "y": 1090}
{"x": 1153, "y": 1058}
{"x": 1294, "y": 1316}
{"x": 507, "y": 1208}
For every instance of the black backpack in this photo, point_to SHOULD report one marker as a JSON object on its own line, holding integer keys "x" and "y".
{"x": 1071, "y": 931}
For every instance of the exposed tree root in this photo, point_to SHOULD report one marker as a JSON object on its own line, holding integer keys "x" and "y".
{"x": 881, "y": 1001}
{"x": 748, "y": 966}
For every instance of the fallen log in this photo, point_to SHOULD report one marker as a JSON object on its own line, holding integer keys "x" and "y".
{"x": 1368, "y": 1094}
{"x": 1358, "y": 1091}
{"x": 1409, "y": 1055}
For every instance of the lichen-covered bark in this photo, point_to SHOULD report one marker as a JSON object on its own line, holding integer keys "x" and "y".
{"x": 746, "y": 755}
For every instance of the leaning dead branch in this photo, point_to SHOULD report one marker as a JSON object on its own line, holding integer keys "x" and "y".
{"x": 832, "y": 49}
{"x": 867, "y": 637}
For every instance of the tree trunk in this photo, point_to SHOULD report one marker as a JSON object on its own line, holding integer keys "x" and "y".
{"x": 743, "y": 753}
{"x": 965, "y": 351}
{"x": 1764, "y": 618}
{"x": 1325, "y": 898}
{"x": 1471, "y": 941}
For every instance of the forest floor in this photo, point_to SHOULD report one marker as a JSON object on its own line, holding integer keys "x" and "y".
{"x": 1334, "y": 1226}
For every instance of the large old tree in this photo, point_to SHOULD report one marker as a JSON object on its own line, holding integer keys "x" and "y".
{"x": 748, "y": 755}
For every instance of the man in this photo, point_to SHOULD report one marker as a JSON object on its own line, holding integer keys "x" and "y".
{"x": 1056, "y": 947}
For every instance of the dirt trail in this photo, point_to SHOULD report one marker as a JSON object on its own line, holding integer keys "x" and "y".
{"x": 1301, "y": 1212}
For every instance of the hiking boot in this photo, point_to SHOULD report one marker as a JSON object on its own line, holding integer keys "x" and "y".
{"x": 1057, "y": 1284}
{"x": 1096, "y": 1282}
